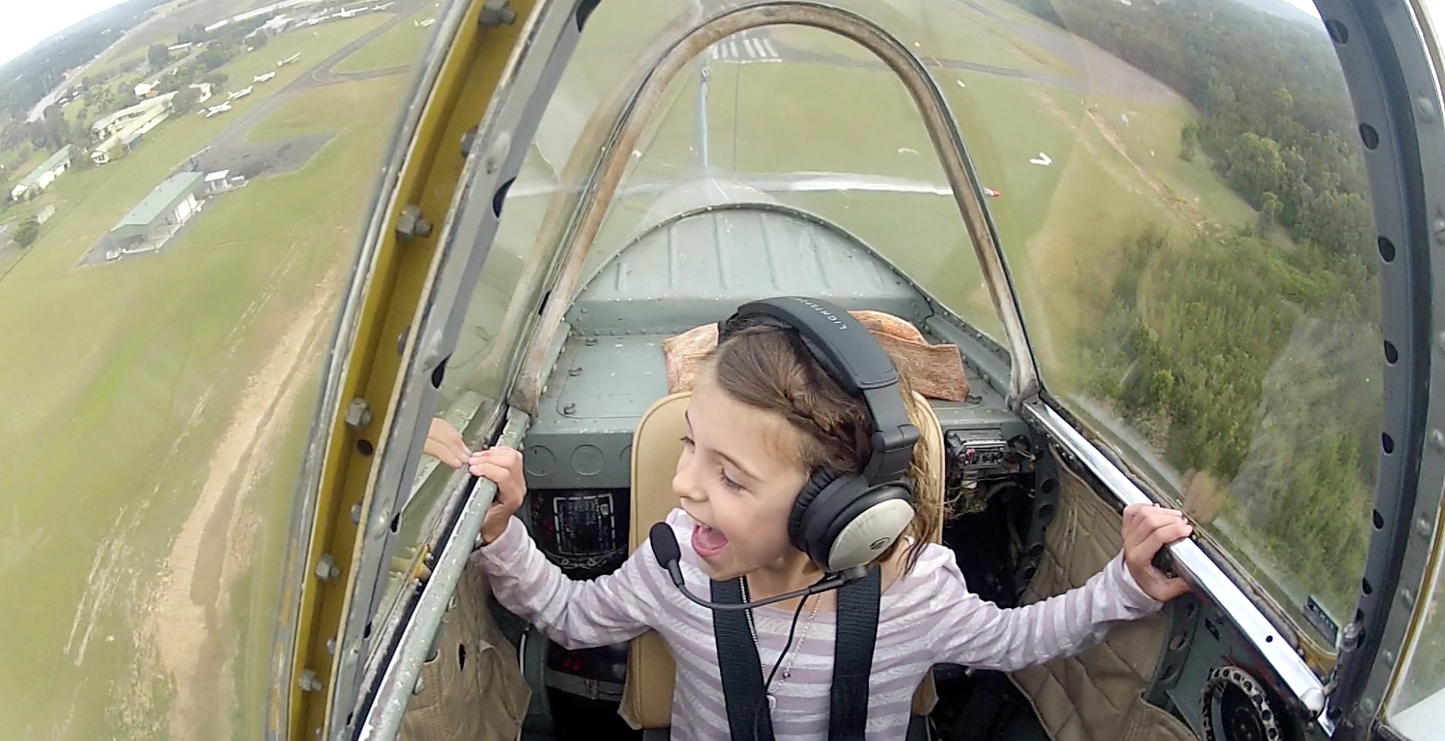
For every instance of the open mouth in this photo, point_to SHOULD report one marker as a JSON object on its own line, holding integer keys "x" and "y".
{"x": 708, "y": 541}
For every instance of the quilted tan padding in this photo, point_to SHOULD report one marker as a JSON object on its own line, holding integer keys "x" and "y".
{"x": 472, "y": 688}
{"x": 1096, "y": 695}
{"x": 656, "y": 446}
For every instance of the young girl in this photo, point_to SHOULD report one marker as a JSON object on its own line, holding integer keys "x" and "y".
{"x": 763, "y": 415}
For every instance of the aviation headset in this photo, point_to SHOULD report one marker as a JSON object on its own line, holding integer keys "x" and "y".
{"x": 845, "y": 520}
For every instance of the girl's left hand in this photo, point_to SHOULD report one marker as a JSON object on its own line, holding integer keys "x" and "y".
{"x": 444, "y": 442}
{"x": 1148, "y": 528}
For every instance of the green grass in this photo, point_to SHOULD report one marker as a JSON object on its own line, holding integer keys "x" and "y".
{"x": 933, "y": 30}
{"x": 326, "y": 109}
{"x": 104, "y": 368}
{"x": 313, "y": 43}
{"x": 819, "y": 117}
{"x": 399, "y": 46}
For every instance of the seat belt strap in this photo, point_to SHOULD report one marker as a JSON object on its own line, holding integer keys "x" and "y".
{"x": 742, "y": 674}
{"x": 741, "y": 667}
{"x": 853, "y": 657}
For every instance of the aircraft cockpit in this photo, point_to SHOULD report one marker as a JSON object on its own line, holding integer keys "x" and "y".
{"x": 1180, "y": 252}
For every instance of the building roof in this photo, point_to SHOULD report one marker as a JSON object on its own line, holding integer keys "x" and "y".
{"x": 60, "y": 156}
{"x": 105, "y": 121}
{"x": 157, "y": 205}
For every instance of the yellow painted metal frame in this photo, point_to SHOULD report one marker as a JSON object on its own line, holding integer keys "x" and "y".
{"x": 470, "y": 73}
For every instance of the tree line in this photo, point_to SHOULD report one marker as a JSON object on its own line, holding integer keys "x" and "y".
{"x": 29, "y": 77}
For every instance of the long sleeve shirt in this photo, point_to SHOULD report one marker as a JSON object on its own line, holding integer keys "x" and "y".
{"x": 927, "y": 616}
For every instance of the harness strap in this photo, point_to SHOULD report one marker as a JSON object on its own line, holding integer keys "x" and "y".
{"x": 741, "y": 667}
{"x": 742, "y": 673}
{"x": 853, "y": 657}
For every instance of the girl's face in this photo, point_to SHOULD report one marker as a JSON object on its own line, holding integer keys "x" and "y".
{"x": 737, "y": 478}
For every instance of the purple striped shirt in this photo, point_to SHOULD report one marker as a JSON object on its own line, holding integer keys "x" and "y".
{"x": 928, "y": 616}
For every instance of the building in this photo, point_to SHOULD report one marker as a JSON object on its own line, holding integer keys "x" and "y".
{"x": 158, "y": 215}
{"x": 258, "y": 12}
{"x": 216, "y": 181}
{"x": 124, "y": 133}
{"x": 41, "y": 177}
{"x": 274, "y": 27}
{"x": 144, "y": 110}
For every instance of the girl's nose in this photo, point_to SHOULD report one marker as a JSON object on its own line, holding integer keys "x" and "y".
{"x": 684, "y": 482}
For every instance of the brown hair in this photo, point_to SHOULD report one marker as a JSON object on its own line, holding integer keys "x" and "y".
{"x": 769, "y": 369}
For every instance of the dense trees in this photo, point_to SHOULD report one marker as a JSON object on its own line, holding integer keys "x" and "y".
{"x": 158, "y": 56}
{"x": 1254, "y": 362}
{"x": 1259, "y": 366}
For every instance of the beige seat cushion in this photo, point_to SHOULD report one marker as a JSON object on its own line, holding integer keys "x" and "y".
{"x": 656, "y": 447}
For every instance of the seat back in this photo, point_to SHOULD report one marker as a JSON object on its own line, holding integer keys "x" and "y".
{"x": 656, "y": 447}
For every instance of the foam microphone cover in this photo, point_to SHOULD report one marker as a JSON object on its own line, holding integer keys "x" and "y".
{"x": 664, "y": 544}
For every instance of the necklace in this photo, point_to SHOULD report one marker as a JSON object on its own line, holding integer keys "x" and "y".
{"x": 787, "y": 670}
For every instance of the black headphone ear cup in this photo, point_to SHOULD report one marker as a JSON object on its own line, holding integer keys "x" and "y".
{"x": 810, "y": 491}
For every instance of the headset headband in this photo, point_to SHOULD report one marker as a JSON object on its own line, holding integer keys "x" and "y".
{"x": 849, "y": 354}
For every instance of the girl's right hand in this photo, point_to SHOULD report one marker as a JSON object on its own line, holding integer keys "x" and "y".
{"x": 503, "y": 466}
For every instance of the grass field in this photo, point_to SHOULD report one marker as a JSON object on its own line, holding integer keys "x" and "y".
{"x": 401, "y": 45}
{"x": 775, "y": 118}
{"x": 156, "y": 372}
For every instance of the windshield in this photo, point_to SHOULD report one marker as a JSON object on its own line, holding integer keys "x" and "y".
{"x": 785, "y": 115}
{"x": 185, "y": 189}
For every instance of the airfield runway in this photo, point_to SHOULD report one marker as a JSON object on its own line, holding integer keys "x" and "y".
{"x": 233, "y": 137}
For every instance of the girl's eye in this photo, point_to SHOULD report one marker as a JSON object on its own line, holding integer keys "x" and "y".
{"x": 686, "y": 441}
{"x": 729, "y": 483}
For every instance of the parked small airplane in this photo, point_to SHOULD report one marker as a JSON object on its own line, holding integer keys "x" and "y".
{"x": 289, "y": 60}
{"x": 263, "y": 78}
{"x": 1042, "y": 159}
